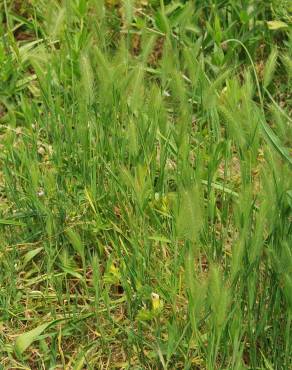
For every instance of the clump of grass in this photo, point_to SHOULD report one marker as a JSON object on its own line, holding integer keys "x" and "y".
{"x": 145, "y": 206}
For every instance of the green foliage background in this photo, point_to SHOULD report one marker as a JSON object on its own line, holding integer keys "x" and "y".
{"x": 145, "y": 184}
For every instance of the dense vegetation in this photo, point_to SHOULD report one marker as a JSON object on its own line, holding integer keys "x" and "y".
{"x": 145, "y": 184}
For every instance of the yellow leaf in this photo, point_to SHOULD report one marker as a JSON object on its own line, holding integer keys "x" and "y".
{"x": 276, "y": 25}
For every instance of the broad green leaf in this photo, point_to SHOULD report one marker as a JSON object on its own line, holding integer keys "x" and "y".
{"x": 145, "y": 315}
{"x": 30, "y": 255}
{"x": 162, "y": 22}
{"x": 75, "y": 274}
{"x": 76, "y": 242}
{"x": 24, "y": 340}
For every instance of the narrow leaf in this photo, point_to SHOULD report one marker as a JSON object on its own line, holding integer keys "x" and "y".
{"x": 10, "y": 222}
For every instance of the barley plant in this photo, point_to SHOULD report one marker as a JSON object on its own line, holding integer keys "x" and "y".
{"x": 145, "y": 184}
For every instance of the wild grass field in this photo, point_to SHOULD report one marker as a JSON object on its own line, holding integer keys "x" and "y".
{"x": 145, "y": 184}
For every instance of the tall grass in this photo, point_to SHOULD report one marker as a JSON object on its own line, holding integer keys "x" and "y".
{"x": 145, "y": 199}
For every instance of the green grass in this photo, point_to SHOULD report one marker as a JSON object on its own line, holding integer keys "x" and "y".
{"x": 145, "y": 185}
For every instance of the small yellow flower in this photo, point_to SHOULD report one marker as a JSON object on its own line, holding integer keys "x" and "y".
{"x": 157, "y": 303}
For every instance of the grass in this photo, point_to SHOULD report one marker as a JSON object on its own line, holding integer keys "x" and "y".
{"x": 145, "y": 185}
